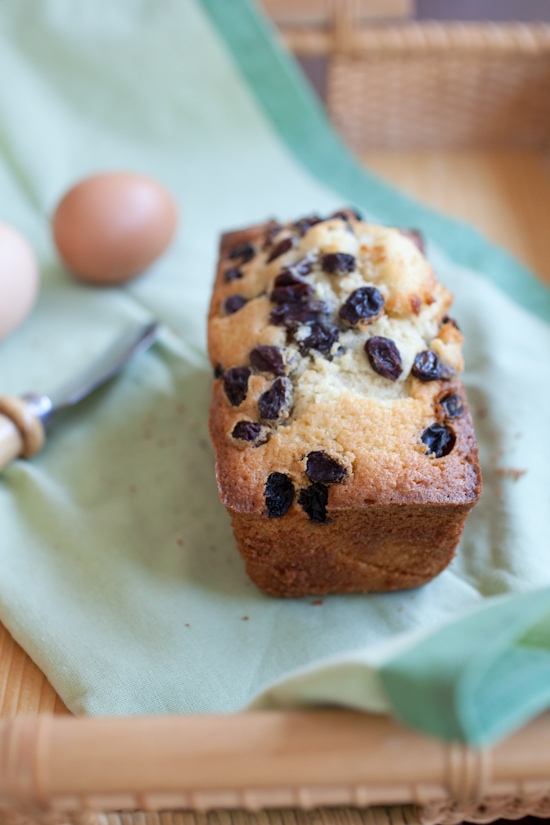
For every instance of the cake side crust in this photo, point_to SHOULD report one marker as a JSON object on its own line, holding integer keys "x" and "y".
{"x": 373, "y": 549}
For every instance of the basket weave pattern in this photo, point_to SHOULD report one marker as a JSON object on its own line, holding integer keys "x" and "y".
{"x": 490, "y": 809}
{"x": 442, "y": 92}
{"x": 417, "y": 85}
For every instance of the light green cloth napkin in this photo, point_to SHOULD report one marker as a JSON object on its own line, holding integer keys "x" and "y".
{"x": 119, "y": 572}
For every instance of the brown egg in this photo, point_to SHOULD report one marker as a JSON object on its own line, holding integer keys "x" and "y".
{"x": 111, "y": 227}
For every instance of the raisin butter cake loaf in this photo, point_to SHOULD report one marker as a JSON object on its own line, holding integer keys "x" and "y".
{"x": 345, "y": 451}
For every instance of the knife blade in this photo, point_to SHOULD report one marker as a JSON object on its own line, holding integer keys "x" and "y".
{"x": 25, "y": 420}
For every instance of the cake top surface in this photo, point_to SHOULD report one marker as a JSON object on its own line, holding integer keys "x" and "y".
{"x": 337, "y": 365}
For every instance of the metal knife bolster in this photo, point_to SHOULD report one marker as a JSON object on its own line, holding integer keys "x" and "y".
{"x": 41, "y": 406}
{"x": 23, "y": 420}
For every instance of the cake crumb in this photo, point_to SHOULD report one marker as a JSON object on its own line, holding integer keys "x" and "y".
{"x": 245, "y": 618}
{"x": 510, "y": 472}
{"x": 317, "y": 601}
{"x": 180, "y": 542}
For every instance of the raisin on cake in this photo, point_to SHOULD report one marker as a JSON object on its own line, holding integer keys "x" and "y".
{"x": 345, "y": 450}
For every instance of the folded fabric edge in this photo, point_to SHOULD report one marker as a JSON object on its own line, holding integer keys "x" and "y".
{"x": 354, "y": 685}
{"x": 477, "y": 679}
{"x": 326, "y": 681}
{"x": 303, "y": 126}
{"x": 313, "y": 683}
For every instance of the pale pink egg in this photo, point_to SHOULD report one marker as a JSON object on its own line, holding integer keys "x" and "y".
{"x": 19, "y": 279}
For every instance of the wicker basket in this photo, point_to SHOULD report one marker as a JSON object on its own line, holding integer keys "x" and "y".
{"x": 415, "y": 85}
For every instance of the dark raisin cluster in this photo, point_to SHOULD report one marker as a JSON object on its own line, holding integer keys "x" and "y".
{"x": 292, "y": 295}
{"x": 439, "y": 438}
{"x": 296, "y": 307}
{"x": 321, "y": 469}
{"x": 272, "y": 404}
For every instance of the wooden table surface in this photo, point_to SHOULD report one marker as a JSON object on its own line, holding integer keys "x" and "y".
{"x": 506, "y": 194}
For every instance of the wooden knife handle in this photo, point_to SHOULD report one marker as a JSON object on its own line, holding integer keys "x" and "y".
{"x": 21, "y": 432}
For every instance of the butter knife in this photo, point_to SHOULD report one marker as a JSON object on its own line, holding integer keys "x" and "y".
{"x": 25, "y": 420}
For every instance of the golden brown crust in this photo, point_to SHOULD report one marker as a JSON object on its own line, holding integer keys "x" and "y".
{"x": 396, "y": 518}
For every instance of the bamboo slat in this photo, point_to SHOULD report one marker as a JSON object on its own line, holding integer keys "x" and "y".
{"x": 258, "y": 760}
{"x": 23, "y": 687}
{"x": 319, "y": 12}
{"x": 426, "y": 38}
